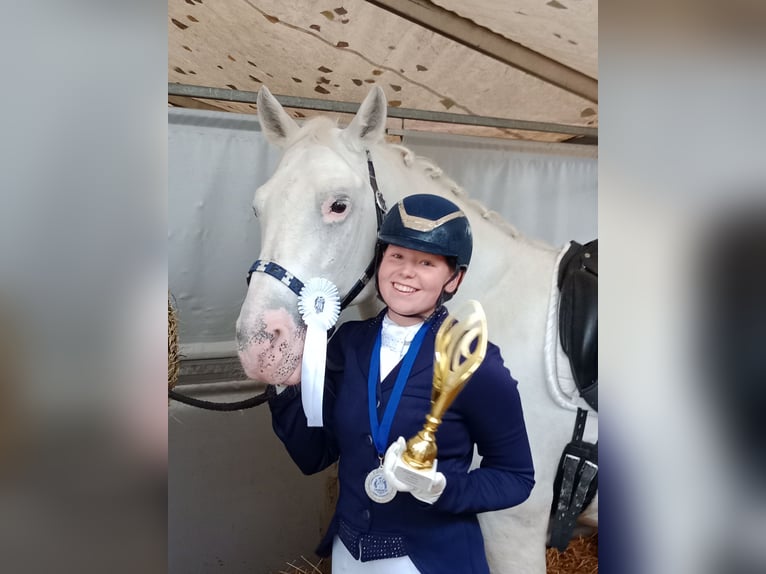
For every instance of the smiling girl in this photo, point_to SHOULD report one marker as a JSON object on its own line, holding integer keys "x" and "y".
{"x": 378, "y": 386}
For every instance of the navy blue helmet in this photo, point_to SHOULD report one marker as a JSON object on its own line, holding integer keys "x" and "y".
{"x": 431, "y": 224}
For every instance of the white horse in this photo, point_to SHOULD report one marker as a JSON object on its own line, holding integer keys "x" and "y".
{"x": 318, "y": 219}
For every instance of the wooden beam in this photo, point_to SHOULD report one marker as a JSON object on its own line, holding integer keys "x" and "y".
{"x": 225, "y": 94}
{"x": 489, "y": 43}
{"x": 193, "y": 103}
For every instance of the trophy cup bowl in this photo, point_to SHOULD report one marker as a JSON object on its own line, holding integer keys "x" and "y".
{"x": 459, "y": 349}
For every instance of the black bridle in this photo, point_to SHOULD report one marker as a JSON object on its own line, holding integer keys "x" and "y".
{"x": 295, "y": 285}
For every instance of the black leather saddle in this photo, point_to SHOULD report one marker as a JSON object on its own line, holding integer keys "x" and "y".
{"x": 576, "y": 479}
{"x": 578, "y": 316}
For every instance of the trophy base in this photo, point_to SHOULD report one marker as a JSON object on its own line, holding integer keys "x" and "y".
{"x": 419, "y": 479}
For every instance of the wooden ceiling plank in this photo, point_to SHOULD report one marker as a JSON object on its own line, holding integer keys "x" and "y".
{"x": 485, "y": 41}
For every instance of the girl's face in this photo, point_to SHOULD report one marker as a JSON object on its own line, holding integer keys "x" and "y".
{"x": 410, "y": 283}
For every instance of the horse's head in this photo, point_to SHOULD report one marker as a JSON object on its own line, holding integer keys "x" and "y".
{"x": 318, "y": 219}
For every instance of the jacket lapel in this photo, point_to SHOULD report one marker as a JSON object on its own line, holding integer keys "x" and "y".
{"x": 363, "y": 349}
{"x": 424, "y": 360}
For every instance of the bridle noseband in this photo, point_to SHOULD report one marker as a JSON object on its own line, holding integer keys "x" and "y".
{"x": 295, "y": 285}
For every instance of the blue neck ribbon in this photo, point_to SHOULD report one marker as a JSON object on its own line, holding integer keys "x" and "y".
{"x": 380, "y": 431}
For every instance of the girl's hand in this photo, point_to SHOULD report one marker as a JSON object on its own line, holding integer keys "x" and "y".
{"x": 425, "y": 485}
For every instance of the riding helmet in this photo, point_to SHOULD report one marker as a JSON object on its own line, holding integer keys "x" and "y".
{"x": 429, "y": 223}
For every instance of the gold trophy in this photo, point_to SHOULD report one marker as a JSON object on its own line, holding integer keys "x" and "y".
{"x": 454, "y": 364}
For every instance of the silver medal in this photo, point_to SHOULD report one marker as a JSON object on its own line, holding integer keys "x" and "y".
{"x": 377, "y": 488}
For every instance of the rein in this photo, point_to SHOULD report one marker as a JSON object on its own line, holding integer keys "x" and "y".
{"x": 295, "y": 285}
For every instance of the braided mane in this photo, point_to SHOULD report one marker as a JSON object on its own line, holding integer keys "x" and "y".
{"x": 321, "y": 130}
{"x": 433, "y": 171}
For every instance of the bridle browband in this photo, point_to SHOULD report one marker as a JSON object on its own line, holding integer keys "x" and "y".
{"x": 295, "y": 285}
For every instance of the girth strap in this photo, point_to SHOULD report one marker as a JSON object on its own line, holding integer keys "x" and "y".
{"x": 570, "y": 503}
{"x": 575, "y": 484}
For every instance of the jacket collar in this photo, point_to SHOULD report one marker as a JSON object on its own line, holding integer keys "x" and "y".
{"x": 425, "y": 357}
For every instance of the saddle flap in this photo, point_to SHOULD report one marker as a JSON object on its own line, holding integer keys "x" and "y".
{"x": 578, "y": 316}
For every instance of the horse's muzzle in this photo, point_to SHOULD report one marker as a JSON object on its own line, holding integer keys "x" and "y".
{"x": 270, "y": 347}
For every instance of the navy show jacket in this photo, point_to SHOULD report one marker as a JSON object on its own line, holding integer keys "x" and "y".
{"x": 439, "y": 538}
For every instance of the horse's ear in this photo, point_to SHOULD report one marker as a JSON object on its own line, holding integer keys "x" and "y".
{"x": 277, "y": 126}
{"x": 369, "y": 123}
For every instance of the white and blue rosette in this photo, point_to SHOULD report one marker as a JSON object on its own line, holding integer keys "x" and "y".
{"x": 319, "y": 306}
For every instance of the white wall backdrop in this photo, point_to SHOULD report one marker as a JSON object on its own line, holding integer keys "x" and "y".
{"x": 217, "y": 160}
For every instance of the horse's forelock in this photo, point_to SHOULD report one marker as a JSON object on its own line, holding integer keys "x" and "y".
{"x": 316, "y": 130}
{"x": 325, "y": 131}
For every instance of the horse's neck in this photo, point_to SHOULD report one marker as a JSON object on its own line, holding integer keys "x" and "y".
{"x": 507, "y": 251}
{"x": 510, "y": 275}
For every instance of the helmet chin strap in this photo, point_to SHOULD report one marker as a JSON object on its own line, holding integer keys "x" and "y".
{"x": 442, "y": 295}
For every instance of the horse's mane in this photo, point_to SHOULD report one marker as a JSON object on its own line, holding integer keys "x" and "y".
{"x": 319, "y": 130}
{"x": 435, "y": 173}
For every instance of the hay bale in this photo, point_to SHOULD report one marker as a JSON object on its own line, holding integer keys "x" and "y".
{"x": 174, "y": 358}
{"x": 305, "y": 566}
{"x": 580, "y": 557}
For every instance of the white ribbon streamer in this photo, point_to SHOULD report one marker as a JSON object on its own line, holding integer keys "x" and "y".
{"x": 319, "y": 306}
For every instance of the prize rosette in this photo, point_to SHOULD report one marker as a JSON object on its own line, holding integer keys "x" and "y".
{"x": 319, "y": 306}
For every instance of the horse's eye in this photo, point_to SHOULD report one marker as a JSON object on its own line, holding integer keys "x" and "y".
{"x": 338, "y": 207}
